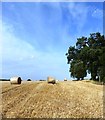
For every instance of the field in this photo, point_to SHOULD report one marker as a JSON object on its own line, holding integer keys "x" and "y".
{"x": 69, "y": 99}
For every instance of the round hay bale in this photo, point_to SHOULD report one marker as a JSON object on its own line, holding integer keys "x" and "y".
{"x": 65, "y": 79}
{"x": 15, "y": 80}
{"x": 51, "y": 80}
{"x": 28, "y": 79}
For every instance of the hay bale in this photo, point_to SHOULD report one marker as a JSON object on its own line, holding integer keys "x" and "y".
{"x": 51, "y": 80}
{"x": 57, "y": 80}
{"x": 65, "y": 79}
{"x": 15, "y": 80}
{"x": 28, "y": 79}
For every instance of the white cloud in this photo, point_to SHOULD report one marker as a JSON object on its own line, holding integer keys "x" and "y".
{"x": 16, "y": 53}
{"x": 79, "y": 14}
{"x": 13, "y": 47}
{"x": 97, "y": 13}
{"x": 21, "y": 58}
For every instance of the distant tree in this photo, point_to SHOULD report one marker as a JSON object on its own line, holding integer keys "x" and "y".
{"x": 4, "y": 79}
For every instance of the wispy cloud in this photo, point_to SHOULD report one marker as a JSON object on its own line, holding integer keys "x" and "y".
{"x": 13, "y": 47}
{"x": 36, "y": 36}
{"x": 21, "y": 58}
{"x": 79, "y": 14}
{"x": 97, "y": 13}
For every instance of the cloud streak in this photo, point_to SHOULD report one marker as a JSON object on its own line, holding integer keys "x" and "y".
{"x": 21, "y": 58}
{"x": 36, "y": 36}
{"x": 78, "y": 13}
{"x": 97, "y": 13}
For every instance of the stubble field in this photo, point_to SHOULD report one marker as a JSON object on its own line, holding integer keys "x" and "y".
{"x": 69, "y": 99}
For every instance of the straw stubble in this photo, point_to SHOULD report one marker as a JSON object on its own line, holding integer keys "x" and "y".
{"x": 62, "y": 100}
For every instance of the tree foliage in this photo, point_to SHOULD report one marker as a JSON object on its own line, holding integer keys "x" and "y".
{"x": 88, "y": 56}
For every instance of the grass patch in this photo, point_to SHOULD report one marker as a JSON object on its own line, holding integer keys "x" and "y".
{"x": 96, "y": 82}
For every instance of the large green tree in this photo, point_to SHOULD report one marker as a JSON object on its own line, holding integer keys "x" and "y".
{"x": 88, "y": 55}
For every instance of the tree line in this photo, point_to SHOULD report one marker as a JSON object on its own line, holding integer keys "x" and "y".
{"x": 88, "y": 56}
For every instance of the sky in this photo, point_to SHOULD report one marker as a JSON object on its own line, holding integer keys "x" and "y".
{"x": 37, "y": 35}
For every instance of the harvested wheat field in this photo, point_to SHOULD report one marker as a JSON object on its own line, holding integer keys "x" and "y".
{"x": 67, "y": 99}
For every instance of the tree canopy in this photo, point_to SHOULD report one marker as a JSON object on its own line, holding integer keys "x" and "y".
{"x": 88, "y": 56}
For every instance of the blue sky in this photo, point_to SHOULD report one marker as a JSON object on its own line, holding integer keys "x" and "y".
{"x": 36, "y": 36}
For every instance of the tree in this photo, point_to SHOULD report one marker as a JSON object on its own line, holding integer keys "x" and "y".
{"x": 78, "y": 70}
{"x": 88, "y": 55}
